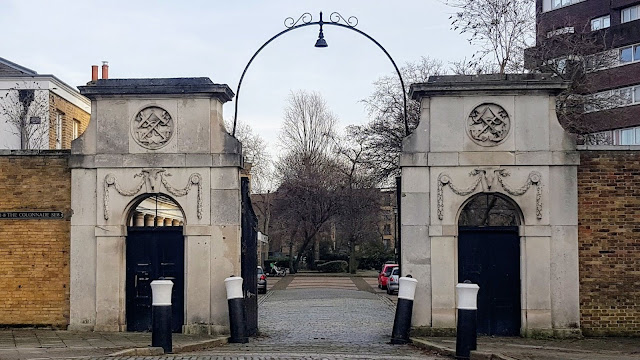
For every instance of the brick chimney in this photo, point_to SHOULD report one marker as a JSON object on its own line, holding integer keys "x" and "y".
{"x": 105, "y": 70}
{"x": 94, "y": 73}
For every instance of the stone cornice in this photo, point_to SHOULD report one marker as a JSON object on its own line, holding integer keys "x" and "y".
{"x": 168, "y": 87}
{"x": 506, "y": 84}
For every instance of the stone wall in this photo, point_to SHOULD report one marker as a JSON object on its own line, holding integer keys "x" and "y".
{"x": 34, "y": 254}
{"x": 609, "y": 236}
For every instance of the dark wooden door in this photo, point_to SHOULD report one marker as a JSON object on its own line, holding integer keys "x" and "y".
{"x": 154, "y": 253}
{"x": 490, "y": 257}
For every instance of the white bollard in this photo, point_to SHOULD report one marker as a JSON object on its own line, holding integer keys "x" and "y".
{"x": 404, "y": 310}
{"x": 235, "y": 299}
{"x": 161, "y": 315}
{"x": 466, "y": 332}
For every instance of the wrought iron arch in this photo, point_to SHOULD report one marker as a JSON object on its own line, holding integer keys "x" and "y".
{"x": 336, "y": 20}
{"x": 490, "y": 209}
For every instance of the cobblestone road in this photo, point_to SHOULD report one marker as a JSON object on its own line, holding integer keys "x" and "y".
{"x": 322, "y": 318}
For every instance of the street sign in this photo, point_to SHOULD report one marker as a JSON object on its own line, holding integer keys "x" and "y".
{"x": 31, "y": 215}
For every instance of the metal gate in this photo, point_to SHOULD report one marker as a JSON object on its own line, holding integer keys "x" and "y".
{"x": 153, "y": 253}
{"x": 249, "y": 260}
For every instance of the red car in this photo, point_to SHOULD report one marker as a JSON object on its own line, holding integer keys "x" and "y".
{"x": 383, "y": 276}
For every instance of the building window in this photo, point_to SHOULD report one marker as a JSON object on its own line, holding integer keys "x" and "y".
{"x": 630, "y": 54}
{"x": 385, "y": 242}
{"x": 612, "y": 98}
{"x": 556, "y": 4}
{"x": 387, "y": 229}
{"x": 76, "y": 128}
{"x": 630, "y": 13}
{"x": 58, "y": 124}
{"x": 600, "y": 23}
{"x": 628, "y": 136}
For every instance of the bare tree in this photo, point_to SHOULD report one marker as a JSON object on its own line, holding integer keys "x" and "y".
{"x": 307, "y": 193}
{"x": 26, "y": 111}
{"x": 308, "y": 127}
{"x": 502, "y": 28}
{"x": 307, "y": 199}
{"x": 359, "y": 200}
{"x": 254, "y": 150}
{"x": 382, "y": 136}
{"x": 473, "y": 67}
{"x": 577, "y": 58}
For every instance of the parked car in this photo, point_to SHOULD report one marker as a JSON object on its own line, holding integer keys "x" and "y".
{"x": 393, "y": 284}
{"x": 384, "y": 274}
{"x": 262, "y": 281}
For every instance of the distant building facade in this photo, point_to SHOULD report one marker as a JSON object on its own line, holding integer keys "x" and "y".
{"x": 39, "y": 111}
{"x": 610, "y": 28}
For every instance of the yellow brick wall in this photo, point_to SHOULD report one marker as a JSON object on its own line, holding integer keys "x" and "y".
{"x": 34, "y": 254}
{"x": 70, "y": 113}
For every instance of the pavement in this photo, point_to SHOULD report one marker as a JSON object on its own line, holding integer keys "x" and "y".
{"x": 307, "y": 317}
{"x": 509, "y": 348}
{"x": 31, "y": 344}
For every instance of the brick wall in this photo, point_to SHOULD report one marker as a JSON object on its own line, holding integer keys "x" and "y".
{"x": 34, "y": 254}
{"x": 609, "y": 240}
{"x": 70, "y": 113}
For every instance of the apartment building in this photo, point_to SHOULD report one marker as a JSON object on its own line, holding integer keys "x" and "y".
{"x": 608, "y": 29}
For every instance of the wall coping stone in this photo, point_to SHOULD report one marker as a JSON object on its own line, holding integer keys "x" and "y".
{"x": 608, "y": 147}
{"x": 35, "y": 152}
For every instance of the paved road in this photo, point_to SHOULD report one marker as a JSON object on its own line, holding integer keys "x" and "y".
{"x": 322, "y": 318}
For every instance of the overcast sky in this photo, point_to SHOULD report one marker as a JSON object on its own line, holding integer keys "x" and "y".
{"x": 216, "y": 39}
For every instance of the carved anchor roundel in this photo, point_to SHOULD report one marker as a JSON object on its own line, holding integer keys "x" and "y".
{"x": 488, "y": 124}
{"x": 152, "y": 128}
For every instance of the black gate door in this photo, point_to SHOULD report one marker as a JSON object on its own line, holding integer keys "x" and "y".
{"x": 249, "y": 260}
{"x": 154, "y": 253}
{"x": 490, "y": 257}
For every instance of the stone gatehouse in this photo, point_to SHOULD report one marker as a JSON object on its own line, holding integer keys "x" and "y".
{"x": 493, "y": 190}
{"x": 490, "y": 194}
{"x": 160, "y": 139}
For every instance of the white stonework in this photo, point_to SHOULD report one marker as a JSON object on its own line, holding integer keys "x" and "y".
{"x": 533, "y": 163}
{"x": 192, "y": 159}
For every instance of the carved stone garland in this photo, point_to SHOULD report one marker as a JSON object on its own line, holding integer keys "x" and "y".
{"x": 534, "y": 178}
{"x": 151, "y": 176}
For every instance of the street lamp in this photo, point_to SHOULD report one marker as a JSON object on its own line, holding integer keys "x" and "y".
{"x": 321, "y": 43}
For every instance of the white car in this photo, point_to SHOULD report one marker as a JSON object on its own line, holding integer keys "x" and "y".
{"x": 393, "y": 285}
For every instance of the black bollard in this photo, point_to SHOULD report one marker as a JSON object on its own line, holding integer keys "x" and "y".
{"x": 466, "y": 332}
{"x": 161, "y": 315}
{"x": 235, "y": 299}
{"x": 404, "y": 310}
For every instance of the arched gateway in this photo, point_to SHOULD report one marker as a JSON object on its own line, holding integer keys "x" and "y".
{"x": 489, "y": 194}
{"x": 154, "y": 250}
{"x": 489, "y": 255}
{"x": 156, "y": 194}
